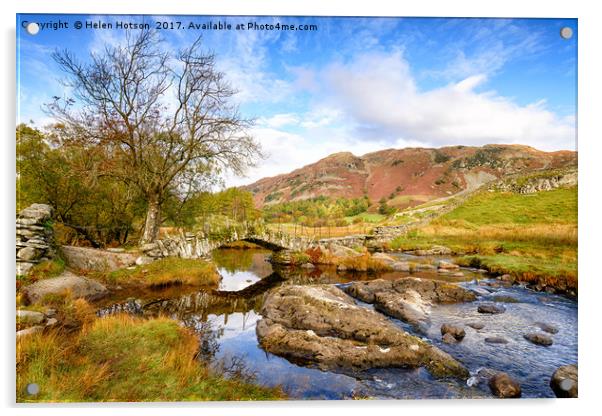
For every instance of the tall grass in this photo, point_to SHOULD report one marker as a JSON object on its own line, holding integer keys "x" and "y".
{"x": 124, "y": 359}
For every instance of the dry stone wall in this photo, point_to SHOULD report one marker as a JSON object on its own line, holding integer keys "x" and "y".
{"x": 35, "y": 238}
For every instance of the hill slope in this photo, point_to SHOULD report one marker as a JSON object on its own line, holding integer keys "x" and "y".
{"x": 406, "y": 177}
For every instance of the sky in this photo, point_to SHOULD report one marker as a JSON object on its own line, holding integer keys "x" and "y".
{"x": 352, "y": 84}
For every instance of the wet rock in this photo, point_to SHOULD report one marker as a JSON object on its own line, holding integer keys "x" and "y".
{"x": 504, "y": 386}
{"x": 447, "y": 265}
{"x": 539, "y": 339}
{"x": 25, "y": 317}
{"x": 449, "y": 339}
{"x": 481, "y": 291}
{"x": 443, "y": 271}
{"x": 496, "y": 340}
{"x": 408, "y": 299}
{"x": 424, "y": 266}
{"x": 457, "y": 332}
{"x": 504, "y": 299}
{"x": 385, "y": 258}
{"x": 321, "y": 325}
{"x": 564, "y": 381}
{"x": 550, "y": 329}
{"x": 476, "y": 325}
{"x": 491, "y": 309}
{"x": 506, "y": 278}
{"x": 79, "y": 287}
{"x": 29, "y": 331}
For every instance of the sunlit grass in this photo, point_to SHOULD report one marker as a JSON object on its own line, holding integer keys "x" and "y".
{"x": 124, "y": 359}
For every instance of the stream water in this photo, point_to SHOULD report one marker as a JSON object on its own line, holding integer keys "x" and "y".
{"x": 225, "y": 320}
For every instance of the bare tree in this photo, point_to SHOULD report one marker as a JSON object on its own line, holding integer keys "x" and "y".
{"x": 164, "y": 119}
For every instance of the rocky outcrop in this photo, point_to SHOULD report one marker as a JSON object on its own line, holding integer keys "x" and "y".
{"x": 84, "y": 258}
{"x": 35, "y": 238}
{"x": 321, "y": 325}
{"x": 76, "y": 286}
{"x": 544, "y": 181}
{"x": 564, "y": 382}
{"x": 408, "y": 299}
{"x": 504, "y": 386}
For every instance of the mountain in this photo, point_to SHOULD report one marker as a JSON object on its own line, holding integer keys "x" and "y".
{"x": 406, "y": 177}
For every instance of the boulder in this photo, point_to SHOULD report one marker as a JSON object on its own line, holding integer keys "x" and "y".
{"x": 78, "y": 287}
{"x": 491, "y": 308}
{"x": 385, "y": 258}
{"x": 449, "y": 339}
{"x": 506, "y": 278}
{"x": 539, "y": 339}
{"x": 409, "y": 298}
{"x": 322, "y": 326}
{"x": 564, "y": 381}
{"x": 338, "y": 250}
{"x": 504, "y": 386}
{"x": 29, "y": 317}
{"x": 144, "y": 260}
{"x": 504, "y": 299}
{"x": 550, "y": 329}
{"x": 457, "y": 332}
{"x": 83, "y": 258}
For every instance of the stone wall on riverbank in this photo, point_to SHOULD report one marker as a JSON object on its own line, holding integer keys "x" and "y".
{"x": 35, "y": 237}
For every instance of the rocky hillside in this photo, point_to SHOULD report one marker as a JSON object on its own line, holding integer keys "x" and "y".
{"x": 406, "y": 177}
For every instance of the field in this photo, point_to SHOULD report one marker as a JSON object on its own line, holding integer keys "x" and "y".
{"x": 530, "y": 236}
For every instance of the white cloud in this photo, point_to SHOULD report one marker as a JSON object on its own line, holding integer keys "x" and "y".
{"x": 379, "y": 94}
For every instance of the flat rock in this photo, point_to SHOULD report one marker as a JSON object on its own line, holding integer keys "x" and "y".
{"x": 504, "y": 386}
{"x": 37, "y": 212}
{"x": 400, "y": 266}
{"x": 539, "y": 339}
{"x": 564, "y": 382}
{"x": 79, "y": 287}
{"x": 447, "y": 265}
{"x": 83, "y": 258}
{"x": 491, "y": 309}
{"x": 322, "y": 326}
{"x": 504, "y": 299}
{"x": 476, "y": 325}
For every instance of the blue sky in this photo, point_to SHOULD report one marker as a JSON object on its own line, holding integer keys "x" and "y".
{"x": 357, "y": 84}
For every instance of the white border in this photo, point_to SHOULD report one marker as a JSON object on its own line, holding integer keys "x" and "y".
{"x": 590, "y": 113}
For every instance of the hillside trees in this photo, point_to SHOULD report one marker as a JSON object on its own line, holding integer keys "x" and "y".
{"x": 163, "y": 122}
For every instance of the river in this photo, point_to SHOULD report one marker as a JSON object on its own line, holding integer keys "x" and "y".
{"x": 225, "y": 321}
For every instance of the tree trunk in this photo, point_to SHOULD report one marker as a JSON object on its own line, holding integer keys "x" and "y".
{"x": 153, "y": 219}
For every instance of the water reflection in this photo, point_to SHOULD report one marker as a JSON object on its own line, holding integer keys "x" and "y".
{"x": 225, "y": 321}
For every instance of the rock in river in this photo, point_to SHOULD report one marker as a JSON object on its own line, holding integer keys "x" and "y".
{"x": 564, "y": 381}
{"x": 504, "y": 386}
{"x": 455, "y": 331}
{"x": 321, "y": 325}
{"x": 550, "y": 329}
{"x": 491, "y": 309}
{"x": 408, "y": 298}
{"x": 539, "y": 339}
{"x": 496, "y": 340}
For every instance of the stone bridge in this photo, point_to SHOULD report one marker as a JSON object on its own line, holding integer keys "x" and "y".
{"x": 196, "y": 245}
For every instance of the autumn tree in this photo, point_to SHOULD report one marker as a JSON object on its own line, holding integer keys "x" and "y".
{"x": 164, "y": 119}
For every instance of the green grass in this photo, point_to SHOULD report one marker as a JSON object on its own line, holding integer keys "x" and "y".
{"x": 558, "y": 206}
{"x": 368, "y": 217}
{"x": 125, "y": 359}
{"x": 165, "y": 272}
{"x": 44, "y": 270}
{"x": 532, "y": 237}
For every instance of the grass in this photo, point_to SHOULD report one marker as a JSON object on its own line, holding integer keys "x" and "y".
{"x": 165, "y": 272}
{"x": 532, "y": 237}
{"x": 44, "y": 270}
{"x": 124, "y": 359}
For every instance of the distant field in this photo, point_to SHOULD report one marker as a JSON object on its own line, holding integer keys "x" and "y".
{"x": 532, "y": 236}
